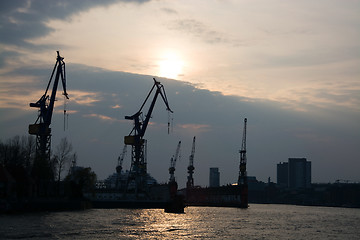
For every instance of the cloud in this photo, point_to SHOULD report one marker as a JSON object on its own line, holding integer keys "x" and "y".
{"x": 313, "y": 99}
{"x": 101, "y": 117}
{"x": 169, "y": 10}
{"x": 84, "y": 98}
{"x": 117, "y": 106}
{"x": 7, "y": 57}
{"x": 203, "y": 32}
{"x": 16, "y": 98}
{"x": 195, "y": 128}
{"x": 21, "y": 21}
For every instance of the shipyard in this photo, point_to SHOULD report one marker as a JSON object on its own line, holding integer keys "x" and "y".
{"x": 135, "y": 187}
{"x": 143, "y": 119}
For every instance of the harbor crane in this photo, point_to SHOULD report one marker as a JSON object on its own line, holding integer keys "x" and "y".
{"x": 121, "y": 159}
{"x": 138, "y": 169}
{"x": 41, "y": 127}
{"x": 173, "y": 163}
{"x": 242, "y": 180}
{"x": 176, "y": 204}
{"x": 190, "y": 179}
{"x": 119, "y": 167}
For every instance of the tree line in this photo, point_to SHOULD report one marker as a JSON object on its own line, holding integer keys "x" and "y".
{"x": 19, "y": 152}
{"x": 17, "y": 157}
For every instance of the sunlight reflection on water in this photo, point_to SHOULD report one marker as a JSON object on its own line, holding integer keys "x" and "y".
{"x": 258, "y": 222}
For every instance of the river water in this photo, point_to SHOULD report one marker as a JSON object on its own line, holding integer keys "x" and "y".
{"x": 259, "y": 221}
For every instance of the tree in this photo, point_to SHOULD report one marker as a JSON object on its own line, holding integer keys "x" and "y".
{"x": 16, "y": 156}
{"x": 80, "y": 180}
{"x": 62, "y": 157}
{"x": 18, "y": 152}
{"x": 29, "y": 149}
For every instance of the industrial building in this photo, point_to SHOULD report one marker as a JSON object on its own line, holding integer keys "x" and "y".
{"x": 294, "y": 174}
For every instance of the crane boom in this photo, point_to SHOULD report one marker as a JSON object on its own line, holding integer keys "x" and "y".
{"x": 173, "y": 162}
{"x": 140, "y": 127}
{"x": 190, "y": 179}
{"x": 46, "y": 109}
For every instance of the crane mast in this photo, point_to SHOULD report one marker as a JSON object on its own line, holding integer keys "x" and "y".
{"x": 41, "y": 127}
{"x": 191, "y": 168}
{"x": 242, "y": 180}
{"x": 173, "y": 163}
{"x": 138, "y": 169}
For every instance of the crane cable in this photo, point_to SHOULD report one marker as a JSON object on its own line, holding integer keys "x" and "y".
{"x": 170, "y": 122}
{"x": 66, "y": 115}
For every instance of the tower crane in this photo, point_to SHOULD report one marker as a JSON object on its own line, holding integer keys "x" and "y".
{"x": 121, "y": 159}
{"x": 173, "y": 163}
{"x": 176, "y": 201}
{"x": 41, "y": 127}
{"x": 138, "y": 167}
{"x": 242, "y": 180}
{"x": 190, "y": 179}
{"x": 119, "y": 167}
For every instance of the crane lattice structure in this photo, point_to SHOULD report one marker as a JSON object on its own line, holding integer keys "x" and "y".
{"x": 191, "y": 168}
{"x": 41, "y": 127}
{"x": 173, "y": 163}
{"x": 138, "y": 169}
{"x": 242, "y": 180}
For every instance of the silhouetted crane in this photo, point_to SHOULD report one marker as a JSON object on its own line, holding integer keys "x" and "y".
{"x": 138, "y": 169}
{"x": 242, "y": 180}
{"x": 119, "y": 167}
{"x": 120, "y": 160}
{"x": 190, "y": 179}
{"x": 41, "y": 127}
{"x": 173, "y": 163}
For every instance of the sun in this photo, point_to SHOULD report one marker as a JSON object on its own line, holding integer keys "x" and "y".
{"x": 170, "y": 65}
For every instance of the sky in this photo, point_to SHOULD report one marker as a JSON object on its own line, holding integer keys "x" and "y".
{"x": 292, "y": 68}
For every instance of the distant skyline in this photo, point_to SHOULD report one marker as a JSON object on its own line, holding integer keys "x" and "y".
{"x": 292, "y": 68}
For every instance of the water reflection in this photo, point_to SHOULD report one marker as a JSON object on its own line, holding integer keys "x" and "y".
{"x": 258, "y": 222}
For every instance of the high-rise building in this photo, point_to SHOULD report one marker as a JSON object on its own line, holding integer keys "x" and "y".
{"x": 282, "y": 174}
{"x": 214, "y": 177}
{"x": 296, "y": 173}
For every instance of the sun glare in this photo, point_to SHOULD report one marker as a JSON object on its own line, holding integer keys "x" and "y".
{"x": 170, "y": 66}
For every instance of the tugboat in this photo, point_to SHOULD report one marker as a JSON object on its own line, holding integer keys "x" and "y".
{"x": 176, "y": 203}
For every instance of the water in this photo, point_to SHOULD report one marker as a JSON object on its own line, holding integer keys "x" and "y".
{"x": 260, "y": 221}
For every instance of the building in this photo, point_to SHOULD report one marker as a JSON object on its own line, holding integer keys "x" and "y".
{"x": 282, "y": 175}
{"x": 296, "y": 173}
{"x": 214, "y": 177}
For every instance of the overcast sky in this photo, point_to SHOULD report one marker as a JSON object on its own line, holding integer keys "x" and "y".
{"x": 291, "y": 67}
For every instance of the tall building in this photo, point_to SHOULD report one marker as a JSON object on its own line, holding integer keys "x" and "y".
{"x": 296, "y": 173}
{"x": 282, "y": 174}
{"x": 214, "y": 177}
